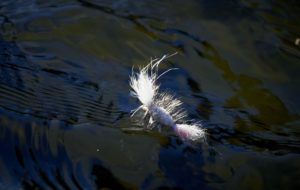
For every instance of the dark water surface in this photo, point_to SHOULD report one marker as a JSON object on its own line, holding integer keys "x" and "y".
{"x": 65, "y": 105}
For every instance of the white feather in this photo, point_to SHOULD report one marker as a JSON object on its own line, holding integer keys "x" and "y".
{"x": 163, "y": 108}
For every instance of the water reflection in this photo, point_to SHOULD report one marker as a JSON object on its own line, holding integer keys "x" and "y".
{"x": 65, "y": 104}
{"x": 29, "y": 158}
{"x": 254, "y": 108}
{"x": 36, "y": 157}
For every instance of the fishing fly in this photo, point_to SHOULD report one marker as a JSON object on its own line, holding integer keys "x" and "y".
{"x": 163, "y": 109}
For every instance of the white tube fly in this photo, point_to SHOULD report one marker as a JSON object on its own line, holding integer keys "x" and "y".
{"x": 163, "y": 108}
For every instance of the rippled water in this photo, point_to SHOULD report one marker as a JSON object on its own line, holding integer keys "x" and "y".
{"x": 65, "y": 104}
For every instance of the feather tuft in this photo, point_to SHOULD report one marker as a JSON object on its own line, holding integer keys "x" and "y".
{"x": 172, "y": 106}
{"x": 189, "y": 132}
{"x": 144, "y": 87}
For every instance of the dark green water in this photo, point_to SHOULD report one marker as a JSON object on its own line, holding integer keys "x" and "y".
{"x": 65, "y": 104}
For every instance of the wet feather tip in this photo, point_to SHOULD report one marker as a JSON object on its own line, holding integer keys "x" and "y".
{"x": 163, "y": 108}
